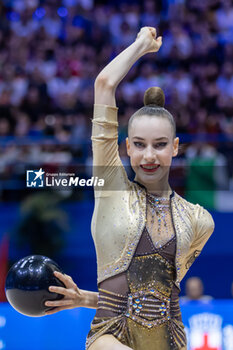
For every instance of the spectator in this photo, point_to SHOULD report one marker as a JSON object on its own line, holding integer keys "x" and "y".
{"x": 50, "y": 53}
{"x": 194, "y": 290}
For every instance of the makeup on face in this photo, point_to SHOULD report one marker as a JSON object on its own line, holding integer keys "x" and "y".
{"x": 150, "y": 147}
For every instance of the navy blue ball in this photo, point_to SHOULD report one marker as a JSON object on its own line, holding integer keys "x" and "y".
{"x": 27, "y": 285}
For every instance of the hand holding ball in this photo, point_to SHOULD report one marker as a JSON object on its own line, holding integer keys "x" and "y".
{"x": 27, "y": 285}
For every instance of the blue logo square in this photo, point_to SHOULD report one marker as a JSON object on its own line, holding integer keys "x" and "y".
{"x": 35, "y": 178}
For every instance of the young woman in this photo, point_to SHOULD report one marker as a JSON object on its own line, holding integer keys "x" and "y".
{"x": 146, "y": 235}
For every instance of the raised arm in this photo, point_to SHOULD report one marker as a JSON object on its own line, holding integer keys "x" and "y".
{"x": 110, "y": 77}
{"x": 106, "y": 160}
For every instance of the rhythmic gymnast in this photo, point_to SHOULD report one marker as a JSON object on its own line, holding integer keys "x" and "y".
{"x": 146, "y": 235}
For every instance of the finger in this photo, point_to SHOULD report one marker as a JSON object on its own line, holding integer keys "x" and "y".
{"x": 66, "y": 292}
{"x": 57, "y": 309}
{"x": 59, "y": 290}
{"x": 144, "y": 29}
{"x": 153, "y": 31}
{"x": 63, "y": 277}
{"x": 159, "y": 41}
{"x": 67, "y": 280}
{"x": 147, "y": 27}
{"x": 62, "y": 302}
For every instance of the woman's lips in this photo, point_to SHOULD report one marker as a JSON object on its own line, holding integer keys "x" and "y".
{"x": 149, "y": 168}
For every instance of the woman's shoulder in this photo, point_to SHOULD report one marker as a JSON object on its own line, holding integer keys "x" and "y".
{"x": 201, "y": 217}
{"x": 191, "y": 205}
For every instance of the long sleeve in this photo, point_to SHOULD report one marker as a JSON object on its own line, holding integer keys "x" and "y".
{"x": 106, "y": 160}
{"x": 105, "y": 136}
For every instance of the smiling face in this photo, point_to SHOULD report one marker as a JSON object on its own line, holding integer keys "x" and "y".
{"x": 151, "y": 146}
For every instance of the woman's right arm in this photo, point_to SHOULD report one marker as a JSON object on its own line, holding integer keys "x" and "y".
{"x": 106, "y": 158}
{"x": 110, "y": 77}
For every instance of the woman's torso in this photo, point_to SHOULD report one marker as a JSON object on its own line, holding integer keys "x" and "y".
{"x": 152, "y": 267}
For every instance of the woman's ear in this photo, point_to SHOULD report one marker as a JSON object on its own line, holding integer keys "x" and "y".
{"x": 127, "y": 146}
{"x": 175, "y": 146}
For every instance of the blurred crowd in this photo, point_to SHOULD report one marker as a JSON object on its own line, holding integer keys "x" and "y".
{"x": 51, "y": 52}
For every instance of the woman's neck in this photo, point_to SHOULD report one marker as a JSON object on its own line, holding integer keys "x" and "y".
{"x": 161, "y": 193}
{"x": 158, "y": 190}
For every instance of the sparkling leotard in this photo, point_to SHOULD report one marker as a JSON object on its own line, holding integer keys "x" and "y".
{"x": 140, "y": 306}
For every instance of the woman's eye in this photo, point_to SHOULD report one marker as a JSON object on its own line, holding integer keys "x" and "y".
{"x": 138, "y": 144}
{"x": 160, "y": 144}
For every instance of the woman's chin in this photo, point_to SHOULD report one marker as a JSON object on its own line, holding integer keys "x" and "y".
{"x": 148, "y": 180}
{"x": 151, "y": 179}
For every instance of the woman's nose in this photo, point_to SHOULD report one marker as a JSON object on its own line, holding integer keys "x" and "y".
{"x": 150, "y": 155}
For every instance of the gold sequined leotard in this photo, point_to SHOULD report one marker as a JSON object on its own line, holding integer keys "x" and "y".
{"x": 138, "y": 288}
{"x": 140, "y": 306}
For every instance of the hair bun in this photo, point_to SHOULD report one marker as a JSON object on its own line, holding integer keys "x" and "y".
{"x": 154, "y": 96}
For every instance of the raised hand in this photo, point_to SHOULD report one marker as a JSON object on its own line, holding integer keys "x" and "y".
{"x": 149, "y": 40}
{"x": 73, "y": 296}
{"x": 110, "y": 77}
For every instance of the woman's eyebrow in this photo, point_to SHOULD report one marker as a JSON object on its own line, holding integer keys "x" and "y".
{"x": 161, "y": 138}
{"x": 157, "y": 139}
